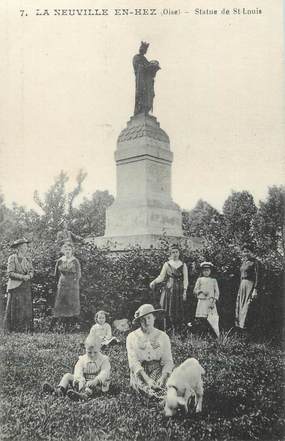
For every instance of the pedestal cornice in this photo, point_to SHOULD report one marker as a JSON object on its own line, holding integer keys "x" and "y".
{"x": 143, "y": 126}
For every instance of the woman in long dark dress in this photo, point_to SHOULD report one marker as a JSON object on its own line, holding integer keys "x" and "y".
{"x": 249, "y": 284}
{"x": 175, "y": 274}
{"x": 19, "y": 308}
{"x": 68, "y": 273}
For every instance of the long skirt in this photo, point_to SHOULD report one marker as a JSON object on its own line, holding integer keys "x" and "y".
{"x": 19, "y": 309}
{"x": 243, "y": 302}
{"x": 154, "y": 370}
{"x": 172, "y": 301}
{"x": 67, "y": 302}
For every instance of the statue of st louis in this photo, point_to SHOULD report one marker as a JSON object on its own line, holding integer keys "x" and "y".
{"x": 145, "y": 72}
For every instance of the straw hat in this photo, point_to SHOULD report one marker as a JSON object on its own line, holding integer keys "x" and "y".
{"x": 145, "y": 310}
{"x": 101, "y": 312}
{"x": 206, "y": 265}
{"x": 18, "y": 242}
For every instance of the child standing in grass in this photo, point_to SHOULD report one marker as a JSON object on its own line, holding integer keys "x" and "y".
{"x": 207, "y": 291}
{"x": 103, "y": 329}
{"x": 91, "y": 373}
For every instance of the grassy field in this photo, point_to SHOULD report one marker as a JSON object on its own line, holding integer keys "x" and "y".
{"x": 242, "y": 400}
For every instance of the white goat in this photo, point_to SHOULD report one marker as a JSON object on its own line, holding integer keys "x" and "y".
{"x": 184, "y": 382}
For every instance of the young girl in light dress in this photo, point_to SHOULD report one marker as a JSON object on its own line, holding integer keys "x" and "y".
{"x": 207, "y": 292}
{"x": 103, "y": 329}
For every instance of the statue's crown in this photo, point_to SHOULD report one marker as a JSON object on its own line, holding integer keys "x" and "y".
{"x": 144, "y": 44}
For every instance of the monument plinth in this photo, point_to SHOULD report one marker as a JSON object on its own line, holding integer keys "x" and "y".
{"x": 143, "y": 211}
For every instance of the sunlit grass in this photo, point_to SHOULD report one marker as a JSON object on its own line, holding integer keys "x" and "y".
{"x": 242, "y": 400}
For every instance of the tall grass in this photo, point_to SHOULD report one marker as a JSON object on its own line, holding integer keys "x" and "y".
{"x": 242, "y": 400}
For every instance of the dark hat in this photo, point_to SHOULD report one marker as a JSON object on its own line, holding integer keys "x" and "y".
{"x": 145, "y": 310}
{"x": 174, "y": 246}
{"x": 19, "y": 242}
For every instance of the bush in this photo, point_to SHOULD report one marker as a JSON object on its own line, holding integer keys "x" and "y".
{"x": 119, "y": 282}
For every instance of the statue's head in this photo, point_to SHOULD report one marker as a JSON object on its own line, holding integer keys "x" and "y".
{"x": 143, "y": 47}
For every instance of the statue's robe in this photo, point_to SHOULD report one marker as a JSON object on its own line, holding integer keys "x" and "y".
{"x": 144, "y": 84}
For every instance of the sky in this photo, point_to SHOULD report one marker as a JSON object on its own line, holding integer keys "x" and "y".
{"x": 67, "y": 91}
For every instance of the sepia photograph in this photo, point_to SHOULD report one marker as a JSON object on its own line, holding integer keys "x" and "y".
{"x": 142, "y": 220}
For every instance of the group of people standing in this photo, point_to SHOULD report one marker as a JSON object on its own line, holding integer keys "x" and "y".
{"x": 174, "y": 274}
{"x": 174, "y": 294}
{"x": 173, "y": 278}
{"x": 19, "y": 306}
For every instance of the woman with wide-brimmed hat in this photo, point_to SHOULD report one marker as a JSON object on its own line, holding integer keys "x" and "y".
{"x": 149, "y": 354}
{"x": 68, "y": 274}
{"x": 19, "y": 308}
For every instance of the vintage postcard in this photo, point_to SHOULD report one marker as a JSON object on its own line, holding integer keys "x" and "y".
{"x": 142, "y": 210}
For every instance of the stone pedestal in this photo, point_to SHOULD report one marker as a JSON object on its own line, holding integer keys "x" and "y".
{"x": 143, "y": 210}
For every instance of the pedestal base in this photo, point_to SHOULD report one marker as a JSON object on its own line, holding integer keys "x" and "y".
{"x": 143, "y": 212}
{"x": 143, "y": 218}
{"x": 143, "y": 206}
{"x": 144, "y": 241}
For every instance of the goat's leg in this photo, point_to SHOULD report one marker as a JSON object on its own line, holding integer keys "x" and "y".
{"x": 199, "y": 394}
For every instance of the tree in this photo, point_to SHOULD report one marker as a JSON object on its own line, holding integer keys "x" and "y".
{"x": 53, "y": 203}
{"x": 17, "y": 221}
{"x": 268, "y": 227}
{"x": 203, "y": 221}
{"x": 23, "y": 222}
{"x": 90, "y": 217}
{"x": 57, "y": 204}
{"x": 3, "y": 214}
{"x": 3, "y": 208}
{"x": 72, "y": 195}
{"x": 239, "y": 210}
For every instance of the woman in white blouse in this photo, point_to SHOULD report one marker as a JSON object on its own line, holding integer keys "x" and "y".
{"x": 149, "y": 354}
{"x": 173, "y": 295}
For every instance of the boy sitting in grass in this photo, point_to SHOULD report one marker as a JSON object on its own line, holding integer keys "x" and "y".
{"x": 91, "y": 373}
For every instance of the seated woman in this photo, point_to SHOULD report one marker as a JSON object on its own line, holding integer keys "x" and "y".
{"x": 149, "y": 354}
